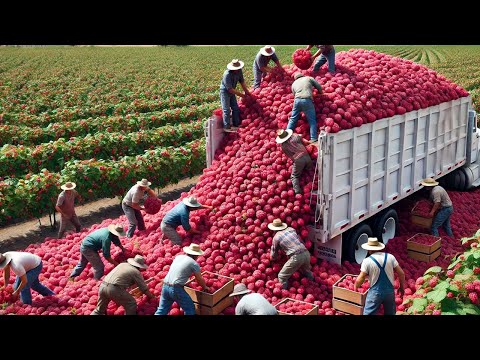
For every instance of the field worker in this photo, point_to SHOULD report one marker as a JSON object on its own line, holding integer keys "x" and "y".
{"x": 251, "y": 304}
{"x": 379, "y": 267}
{"x": 442, "y": 203}
{"x": 180, "y": 215}
{"x": 66, "y": 207}
{"x": 183, "y": 266}
{"x": 287, "y": 239}
{"x": 293, "y": 145}
{"x": 131, "y": 205}
{"x": 100, "y": 239}
{"x": 231, "y": 77}
{"x": 114, "y": 286}
{"x": 260, "y": 64}
{"x": 302, "y": 89}
{"x": 327, "y": 54}
{"x": 27, "y": 267}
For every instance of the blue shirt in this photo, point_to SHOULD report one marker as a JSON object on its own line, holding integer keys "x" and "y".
{"x": 101, "y": 239}
{"x": 262, "y": 60}
{"x": 179, "y": 215}
{"x": 183, "y": 266}
{"x": 231, "y": 79}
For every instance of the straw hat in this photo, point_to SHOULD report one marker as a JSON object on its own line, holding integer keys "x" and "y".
{"x": 373, "y": 244}
{"x": 267, "y": 50}
{"x": 116, "y": 229}
{"x": 191, "y": 201}
{"x": 429, "y": 182}
{"x": 138, "y": 261}
{"x": 298, "y": 75}
{"x": 240, "y": 289}
{"x": 283, "y": 135}
{"x": 193, "y": 249}
{"x": 4, "y": 260}
{"x": 235, "y": 64}
{"x": 144, "y": 182}
{"x": 68, "y": 186}
{"x": 277, "y": 224}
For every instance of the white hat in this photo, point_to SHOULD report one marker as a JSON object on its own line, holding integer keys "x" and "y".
{"x": 240, "y": 289}
{"x": 277, "y": 224}
{"x": 116, "y": 229}
{"x": 193, "y": 249}
{"x": 267, "y": 50}
{"x": 429, "y": 182}
{"x": 373, "y": 244}
{"x": 283, "y": 135}
{"x": 298, "y": 75}
{"x": 138, "y": 261}
{"x": 4, "y": 260}
{"x": 191, "y": 201}
{"x": 235, "y": 64}
{"x": 144, "y": 182}
{"x": 68, "y": 186}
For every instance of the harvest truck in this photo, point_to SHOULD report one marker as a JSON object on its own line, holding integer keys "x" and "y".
{"x": 363, "y": 171}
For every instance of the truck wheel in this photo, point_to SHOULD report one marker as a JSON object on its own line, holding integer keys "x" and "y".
{"x": 352, "y": 249}
{"x": 385, "y": 225}
{"x": 461, "y": 185}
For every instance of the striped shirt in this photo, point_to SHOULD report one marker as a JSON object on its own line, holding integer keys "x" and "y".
{"x": 288, "y": 241}
{"x": 294, "y": 147}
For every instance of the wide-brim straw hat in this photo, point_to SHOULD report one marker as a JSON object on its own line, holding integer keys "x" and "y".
{"x": 68, "y": 186}
{"x": 193, "y": 249}
{"x": 429, "y": 182}
{"x": 4, "y": 260}
{"x": 267, "y": 50}
{"x": 373, "y": 244}
{"x": 240, "y": 289}
{"x": 117, "y": 229}
{"x": 191, "y": 201}
{"x": 283, "y": 135}
{"x": 235, "y": 64}
{"x": 298, "y": 75}
{"x": 277, "y": 224}
{"x": 138, "y": 261}
{"x": 144, "y": 182}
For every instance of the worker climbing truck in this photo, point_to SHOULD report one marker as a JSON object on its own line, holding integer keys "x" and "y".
{"x": 363, "y": 171}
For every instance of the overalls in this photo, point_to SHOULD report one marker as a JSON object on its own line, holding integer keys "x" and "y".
{"x": 381, "y": 292}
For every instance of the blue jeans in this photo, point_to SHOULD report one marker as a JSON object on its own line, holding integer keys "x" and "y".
{"x": 88, "y": 255}
{"x": 229, "y": 101}
{"x": 32, "y": 283}
{"x": 322, "y": 59}
{"x": 375, "y": 299}
{"x": 178, "y": 294}
{"x": 257, "y": 77}
{"x": 442, "y": 218}
{"x": 305, "y": 105}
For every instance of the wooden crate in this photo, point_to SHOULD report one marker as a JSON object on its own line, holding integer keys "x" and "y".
{"x": 312, "y": 311}
{"x": 424, "y": 257}
{"x": 426, "y": 249}
{"x": 348, "y": 295}
{"x": 421, "y": 221}
{"x": 214, "y": 310}
{"x": 206, "y": 299}
{"x": 347, "y": 307}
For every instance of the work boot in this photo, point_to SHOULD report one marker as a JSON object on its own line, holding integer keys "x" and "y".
{"x": 285, "y": 285}
{"x": 309, "y": 276}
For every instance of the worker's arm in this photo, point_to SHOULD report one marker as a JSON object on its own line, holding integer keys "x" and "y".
{"x": 23, "y": 283}
{"x": 6, "y": 275}
{"x": 60, "y": 211}
{"x": 317, "y": 86}
{"x": 278, "y": 64}
{"x": 151, "y": 193}
{"x": 360, "y": 280}
{"x": 308, "y": 47}
{"x": 244, "y": 87}
{"x": 401, "y": 278}
{"x": 137, "y": 206}
{"x": 436, "y": 206}
{"x": 201, "y": 281}
{"x": 319, "y": 51}
{"x": 111, "y": 261}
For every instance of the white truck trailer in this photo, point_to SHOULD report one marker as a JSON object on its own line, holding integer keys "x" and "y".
{"x": 365, "y": 170}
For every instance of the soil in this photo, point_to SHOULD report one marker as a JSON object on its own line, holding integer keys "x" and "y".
{"x": 19, "y": 236}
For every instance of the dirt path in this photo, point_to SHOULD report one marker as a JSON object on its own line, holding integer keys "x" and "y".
{"x": 19, "y": 236}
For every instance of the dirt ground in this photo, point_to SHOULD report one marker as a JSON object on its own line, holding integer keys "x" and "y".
{"x": 19, "y": 236}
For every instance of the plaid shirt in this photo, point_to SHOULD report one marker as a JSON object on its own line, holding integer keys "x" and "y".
{"x": 294, "y": 147}
{"x": 288, "y": 241}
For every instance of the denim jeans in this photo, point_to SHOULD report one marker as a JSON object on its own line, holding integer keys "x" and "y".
{"x": 375, "y": 299}
{"x": 305, "y": 105}
{"x": 257, "y": 77}
{"x": 135, "y": 218}
{"x": 442, "y": 218}
{"x": 322, "y": 59}
{"x": 89, "y": 256}
{"x": 229, "y": 101}
{"x": 171, "y": 233}
{"x": 298, "y": 165}
{"x": 177, "y": 294}
{"x": 32, "y": 283}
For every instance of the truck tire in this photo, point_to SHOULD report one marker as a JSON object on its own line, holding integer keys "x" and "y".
{"x": 463, "y": 178}
{"x": 385, "y": 225}
{"x": 351, "y": 247}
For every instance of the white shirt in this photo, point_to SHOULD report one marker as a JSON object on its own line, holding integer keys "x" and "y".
{"x": 372, "y": 269}
{"x": 23, "y": 261}
{"x": 134, "y": 195}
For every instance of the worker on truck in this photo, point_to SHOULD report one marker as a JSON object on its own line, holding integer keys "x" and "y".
{"x": 442, "y": 207}
{"x": 379, "y": 267}
{"x": 260, "y": 64}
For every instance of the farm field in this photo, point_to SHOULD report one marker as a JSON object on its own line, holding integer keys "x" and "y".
{"x": 106, "y": 117}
